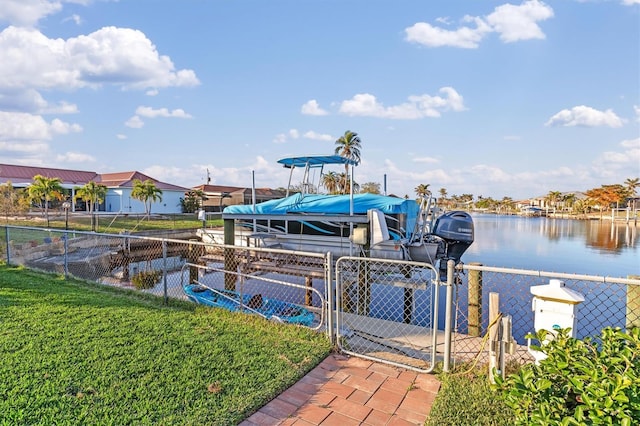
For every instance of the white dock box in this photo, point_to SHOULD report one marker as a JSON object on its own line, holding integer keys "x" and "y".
{"x": 554, "y": 306}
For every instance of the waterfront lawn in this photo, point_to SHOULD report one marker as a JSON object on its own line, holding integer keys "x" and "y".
{"x": 76, "y": 353}
{"x": 115, "y": 224}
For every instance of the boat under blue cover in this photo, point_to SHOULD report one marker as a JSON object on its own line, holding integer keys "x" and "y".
{"x": 231, "y": 300}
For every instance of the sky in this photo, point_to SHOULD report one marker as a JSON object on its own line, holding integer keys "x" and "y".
{"x": 488, "y": 98}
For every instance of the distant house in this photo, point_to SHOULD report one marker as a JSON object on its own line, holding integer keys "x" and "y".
{"x": 219, "y": 196}
{"x": 119, "y": 187}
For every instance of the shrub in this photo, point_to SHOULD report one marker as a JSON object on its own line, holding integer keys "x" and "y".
{"x": 580, "y": 382}
{"x": 146, "y": 279}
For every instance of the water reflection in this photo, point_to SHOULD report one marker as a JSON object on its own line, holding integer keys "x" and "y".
{"x": 560, "y": 245}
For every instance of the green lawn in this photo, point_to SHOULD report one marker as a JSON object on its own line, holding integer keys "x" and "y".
{"x": 466, "y": 398}
{"x": 114, "y": 224}
{"x": 75, "y": 353}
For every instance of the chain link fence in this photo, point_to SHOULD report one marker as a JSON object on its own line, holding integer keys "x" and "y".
{"x": 387, "y": 310}
{"x": 608, "y": 302}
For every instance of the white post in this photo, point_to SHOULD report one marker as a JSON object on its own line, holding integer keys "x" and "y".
{"x": 448, "y": 316}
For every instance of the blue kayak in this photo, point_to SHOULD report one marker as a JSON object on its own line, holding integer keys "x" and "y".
{"x": 231, "y": 300}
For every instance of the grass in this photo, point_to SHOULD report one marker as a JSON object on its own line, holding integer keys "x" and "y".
{"x": 115, "y": 224}
{"x": 76, "y": 353}
{"x": 467, "y": 399}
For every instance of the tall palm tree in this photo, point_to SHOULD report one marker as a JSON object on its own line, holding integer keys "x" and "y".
{"x": 348, "y": 146}
{"x": 632, "y": 184}
{"x": 92, "y": 193}
{"x": 44, "y": 190}
{"x": 553, "y": 197}
{"x": 147, "y": 192}
{"x": 422, "y": 190}
{"x": 443, "y": 196}
{"x": 330, "y": 181}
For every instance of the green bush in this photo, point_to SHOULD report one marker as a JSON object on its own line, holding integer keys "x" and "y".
{"x": 580, "y": 382}
{"x": 146, "y": 279}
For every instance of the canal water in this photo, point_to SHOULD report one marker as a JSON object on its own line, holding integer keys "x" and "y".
{"x": 570, "y": 246}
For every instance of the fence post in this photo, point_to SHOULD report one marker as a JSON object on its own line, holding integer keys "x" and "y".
{"x": 475, "y": 300}
{"x": 633, "y": 304}
{"x": 230, "y": 261}
{"x": 6, "y": 235}
{"x": 448, "y": 316}
{"x": 66, "y": 255}
{"x": 331, "y": 291}
{"x": 195, "y": 251}
{"x": 494, "y": 310}
{"x": 164, "y": 271}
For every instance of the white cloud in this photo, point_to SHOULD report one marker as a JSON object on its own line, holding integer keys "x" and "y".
{"x": 312, "y": 108}
{"x": 161, "y": 112}
{"x": 27, "y": 12}
{"x": 152, "y": 92}
{"x": 464, "y": 37}
{"x": 636, "y": 109}
{"x": 22, "y": 147}
{"x": 31, "y": 101}
{"x": 515, "y": 23}
{"x": 630, "y": 2}
{"x": 28, "y": 127}
{"x": 75, "y": 157}
{"x": 614, "y": 163}
{"x": 284, "y": 137}
{"x": 75, "y": 18}
{"x": 491, "y": 173}
{"x": 121, "y": 137}
{"x": 280, "y": 138}
{"x": 318, "y": 136}
{"x": 511, "y": 22}
{"x": 585, "y": 116}
{"x": 164, "y": 173}
{"x": 418, "y": 106}
{"x": 426, "y": 160}
{"x": 134, "y": 122}
{"x": 118, "y": 56}
{"x": 631, "y": 143}
{"x": 60, "y": 127}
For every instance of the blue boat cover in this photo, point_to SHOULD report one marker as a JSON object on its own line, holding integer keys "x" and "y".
{"x": 330, "y": 205}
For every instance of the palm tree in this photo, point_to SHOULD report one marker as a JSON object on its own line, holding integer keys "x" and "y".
{"x": 348, "y": 146}
{"x": 43, "y": 190}
{"x": 632, "y": 184}
{"x": 147, "y": 192}
{"x": 553, "y": 197}
{"x": 422, "y": 190}
{"x": 92, "y": 193}
{"x": 330, "y": 182}
{"x": 443, "y": 196}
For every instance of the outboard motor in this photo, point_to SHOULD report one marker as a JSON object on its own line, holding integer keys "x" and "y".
{"x": 456, "y": 230}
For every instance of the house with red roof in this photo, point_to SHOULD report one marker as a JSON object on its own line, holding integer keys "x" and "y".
{"x": 119, "y": 187}
{"x": 219, "y": 196}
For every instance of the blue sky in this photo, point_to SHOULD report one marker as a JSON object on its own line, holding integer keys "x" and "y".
{"x": 486, "y": 98}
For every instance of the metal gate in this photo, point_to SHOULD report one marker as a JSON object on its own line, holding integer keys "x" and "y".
{"x": 387, "y": 311}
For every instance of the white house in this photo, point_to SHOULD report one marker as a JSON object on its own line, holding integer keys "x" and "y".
{"x": 119, "y": 187}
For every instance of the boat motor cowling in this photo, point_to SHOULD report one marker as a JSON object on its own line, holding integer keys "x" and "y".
{"x": 456, "y": 229}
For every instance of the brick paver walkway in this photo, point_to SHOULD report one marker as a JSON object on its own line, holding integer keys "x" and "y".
{"x": 346, "y": 391}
